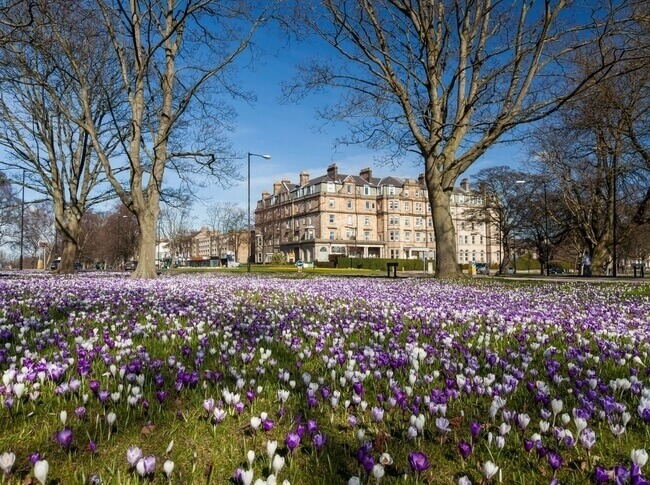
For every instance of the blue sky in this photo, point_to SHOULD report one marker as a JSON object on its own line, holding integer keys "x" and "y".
{"x": 290, "y": 133}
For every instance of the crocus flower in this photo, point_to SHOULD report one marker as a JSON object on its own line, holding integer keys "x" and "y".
{"x": 146, "y": 465}
{"x": 34, "y": 457}
{"x": 475, "y": 429}
{"x": 41, "y": 468}
{"x": 271, "y": 446}
{"x": 64, "y": 437}
{"x": 639, "y": 457}
{"x": 318, "y": 440}
{"x": 378, "y": 471}
{"x": 133, "y": 454}
{"x": 489, "y": 469}
{"x": 7, "y": 460}
{"x": 418, "y": 461}
{"x": 601, "y": 475}
{"x": 292, "y": 440}
{"x": 588, "y": 438}
{"x": 168, "y": 468}
{"x": 465, "y": 449}
{"x": 554, "y": 459}
{"x": 277, "y": 464}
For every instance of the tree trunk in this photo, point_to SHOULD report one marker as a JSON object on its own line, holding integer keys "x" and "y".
{"x": 445, "y": 234}
{"x": 69, "y": 230}
{"x": 147, "y": 220}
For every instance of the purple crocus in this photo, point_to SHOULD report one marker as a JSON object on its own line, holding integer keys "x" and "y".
{"x": 601, "y": 475}
{"x": 64, "y": 437}
{"x": 554, "y": 459}
{"x": 34, "y": 457}
{"x": 146, "y": 465}
{"x": 465, "y": 449}
{"x": 475, "y": 429}
{"x": 292, "y": 440}
{"x": 418, "y": 461}
{"x": 318, "y": 440}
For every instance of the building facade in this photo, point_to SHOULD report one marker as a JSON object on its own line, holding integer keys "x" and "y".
{"x": 364, "y": 216}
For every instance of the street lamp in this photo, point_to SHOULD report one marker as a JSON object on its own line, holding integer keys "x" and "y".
{"x": 250, "y": 242}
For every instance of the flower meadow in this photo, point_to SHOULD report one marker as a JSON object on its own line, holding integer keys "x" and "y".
{"x": 262, "y": 380}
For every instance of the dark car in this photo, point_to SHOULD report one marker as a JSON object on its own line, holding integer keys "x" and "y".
{"x": 55, "y": 264}
{"x": 482, "y": 268}
{"x": 555, "y": 270}
{"x": 130, "y": 265}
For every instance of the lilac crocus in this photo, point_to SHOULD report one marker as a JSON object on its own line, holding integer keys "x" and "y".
{"x": 318, "y": 440}
{"x": 418, "y": 461}
{"x": 292, "y": 441}
{"x": 133, "y": 454}
{"x": 64, "y": 437}
{"x": 475, "y": 429}
{"x": 465, "y": 449}
{"x": 146, "y": 465}
{"x": 601, "y": 475}
{"x": 554, "y": 460}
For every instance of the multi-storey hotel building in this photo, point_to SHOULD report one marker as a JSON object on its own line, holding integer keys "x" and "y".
{"x": 364, "y": 216}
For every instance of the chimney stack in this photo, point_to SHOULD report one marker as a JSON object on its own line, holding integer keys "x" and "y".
{"x": 276, "y": 187}
{"x": 332, "y": 171}
{"x": 464, "y": 184}
{"x": 421, "y": 179}
{"x": 304, "y": 178}
{"x": 366, "y": 174}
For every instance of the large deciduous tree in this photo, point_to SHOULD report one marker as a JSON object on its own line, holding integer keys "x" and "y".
{"x": 446, "y": 80}
{"x": 39, "y": 108}
{"x": 176, "y": 60}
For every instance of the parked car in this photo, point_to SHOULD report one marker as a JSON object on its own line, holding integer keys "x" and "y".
{"x": 130, "y": 265}
{"x": 556, "y": 270}
{"x": 57, "y": 262}
{"x": 482, "y": 268}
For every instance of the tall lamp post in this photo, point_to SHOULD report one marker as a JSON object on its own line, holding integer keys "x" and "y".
{"x": 250, "y": 241}
{"x": 22, "y": 223}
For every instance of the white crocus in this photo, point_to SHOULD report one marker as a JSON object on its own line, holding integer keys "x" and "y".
{"x": 489, "y": 469}
{"x": 278, "y": 464}
{"x": 639, "y": 457}
{"x": 7, "y": 460}
{"x": 41, "y": 467}
{"x": 271, "y": 446}
{"x": 168, "y": 468}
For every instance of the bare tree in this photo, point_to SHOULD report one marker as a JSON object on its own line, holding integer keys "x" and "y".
{"x": 595, "y": 152}
{"x": 176, "y": 226}
{"x": 506, "y": 207}
{"x": 176, "y": 61}
{"x": 446, "y": 80}
{"x": 43, "y": 141}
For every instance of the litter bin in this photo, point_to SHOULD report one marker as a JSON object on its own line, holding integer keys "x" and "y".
{"x": 392, "y": 270}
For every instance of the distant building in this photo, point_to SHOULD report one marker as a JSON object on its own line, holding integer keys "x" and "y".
{"x": 213, "y": 248}
{"x": 364, "y": 216}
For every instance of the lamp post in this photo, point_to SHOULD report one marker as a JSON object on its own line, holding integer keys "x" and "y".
{"x": 22, "y": 223}
{"x": 250, "y": 241}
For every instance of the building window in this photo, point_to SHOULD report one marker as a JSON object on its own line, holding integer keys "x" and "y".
{"x": 349, "y": 204}
{"x": 366, "y": 190}
{"x": 391, "y": 190}
{"x": 418, "y": 207}
{"x": 429, "y": 222}
{"x": 349, "y": 189}
{"x": 367, "y": 205}
{"x": 473, "y": 240}
{"x": 332, "y": 203}
{"x": 366, "y": 220}
{"x": 466, "y": 240}
{"x": 462, "y": 226}
{"x": 418, "y": 236}
{"x": 416, "y": 194}
{"x": 330, "y": 186}
{"x": 407, "y": 221}
{"x": 393, "y": 204}
{"x": 332, "y": 236}
{"x": 393, "y": 235}
{"x": 331, "y": 218}
{"x": 393, "y": 220}
{"x": 418, "y": 221}
{"x": 366, "y": 235}
{"x": 407, "y": 236}
{"x": 394, "y": 253}
{"x": 407, "y": 205}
